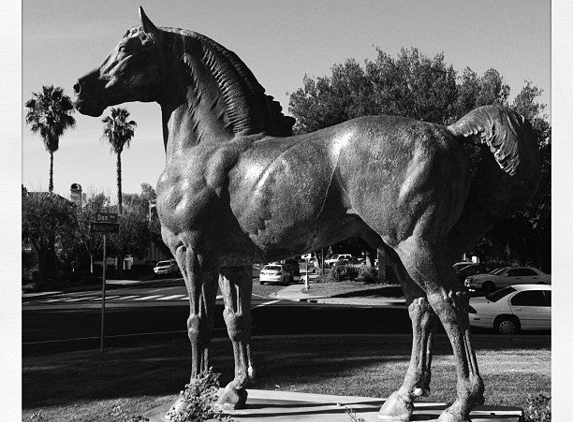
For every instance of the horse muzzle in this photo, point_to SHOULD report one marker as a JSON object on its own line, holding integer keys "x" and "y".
{"x": 89, "y": 98}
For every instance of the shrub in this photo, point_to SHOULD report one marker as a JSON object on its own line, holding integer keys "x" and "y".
{"x": 342, "y": 272}
{"x": 368, "y": 275}
{"x": 538, "y": 409}
{"x": 200, "y": 397}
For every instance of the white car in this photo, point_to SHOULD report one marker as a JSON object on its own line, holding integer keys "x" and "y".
{"x": 462, "y": 264}
{"x": 513, "y": 309}
{"x": 166, "y": 268}
{"x": 506, "y": 276}
{"x": 278, "y": 273}
{"x": 331, "y": 260}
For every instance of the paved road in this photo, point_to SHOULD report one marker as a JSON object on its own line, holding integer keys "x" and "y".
{"x": 138, "y": 314}
{"x": 166, "y": 292}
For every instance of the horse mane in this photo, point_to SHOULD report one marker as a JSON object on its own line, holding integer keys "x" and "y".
{"x": 248, "y": 108}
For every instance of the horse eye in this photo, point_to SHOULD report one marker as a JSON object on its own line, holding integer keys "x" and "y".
{"x": 122, "y": 49}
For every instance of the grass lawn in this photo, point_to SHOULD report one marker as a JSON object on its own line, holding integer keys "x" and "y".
{"x": 126, "y": 382}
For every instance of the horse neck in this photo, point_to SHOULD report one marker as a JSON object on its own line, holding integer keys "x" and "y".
{"x": 193, "y": 112}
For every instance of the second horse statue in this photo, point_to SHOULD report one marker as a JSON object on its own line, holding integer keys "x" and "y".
{"x": 238, "y": 189}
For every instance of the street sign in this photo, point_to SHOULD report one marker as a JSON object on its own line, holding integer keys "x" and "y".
{"x": 104, "y": 227}
{"x": 105, "y": 222}
{"x": 106, "y": 217}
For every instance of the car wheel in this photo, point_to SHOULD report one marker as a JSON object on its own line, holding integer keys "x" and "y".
{"x": 506, "y": 325}
{"x": 261, "y": 282}
{"x": 488, "y": 287}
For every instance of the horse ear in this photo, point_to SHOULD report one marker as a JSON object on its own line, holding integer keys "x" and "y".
{"x": 148, "y": 26}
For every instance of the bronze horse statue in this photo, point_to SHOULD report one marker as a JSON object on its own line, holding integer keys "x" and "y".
{"x": 239, "y": 189}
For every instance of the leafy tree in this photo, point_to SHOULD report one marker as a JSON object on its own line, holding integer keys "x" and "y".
{"x": 413, "y": 85}
{"x": 133, "y": 237}
{"x": 46, "y": 219}
{"x": 49, "y": 114}
{"x": 118, "y": 131}
{"x": 83, "y": 241}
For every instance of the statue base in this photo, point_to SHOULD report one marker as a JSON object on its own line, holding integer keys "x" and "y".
{"x": 285, "y": 406}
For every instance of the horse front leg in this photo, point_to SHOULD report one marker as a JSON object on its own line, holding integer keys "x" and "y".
{"x": 200, "y": 274}
{"x": 236, "y": 285}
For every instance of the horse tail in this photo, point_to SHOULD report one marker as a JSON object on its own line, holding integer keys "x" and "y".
{"x": 504, "y": 179}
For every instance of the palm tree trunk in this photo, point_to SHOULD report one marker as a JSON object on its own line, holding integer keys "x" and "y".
{"x": 120, "y": 211}
{"x": 51, "y": 183}
{"x": 119, "y": 194}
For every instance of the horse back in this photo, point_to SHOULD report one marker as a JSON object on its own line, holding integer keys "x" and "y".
{"x": 385, "y": 172}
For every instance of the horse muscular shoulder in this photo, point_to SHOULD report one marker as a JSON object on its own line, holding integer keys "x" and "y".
{"x": 189, "y": 189}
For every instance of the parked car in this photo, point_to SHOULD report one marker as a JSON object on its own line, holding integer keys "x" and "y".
{"x": 506, "y": 276}
{"x": 168, "y": 267}
{"x": 512, "y": 309}
{"x": 480, "y": 268}
{"x": 279, "y": 273}
{"x": 333, "y": 259}
{"x": 459, "y": 265}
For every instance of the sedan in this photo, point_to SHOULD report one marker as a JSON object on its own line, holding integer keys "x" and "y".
{"x": 473, "y": 269}
{"x": 506, "y": 276}
{"x": 512, "y": 309}
{"x": 278, "y": 273}
{"x": 168, "y": 267}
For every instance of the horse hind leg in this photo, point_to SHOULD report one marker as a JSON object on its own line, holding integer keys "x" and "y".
{"x": 400, "y": 405}
{"x": 429, "y": 268}
{"x": 236, "y": 285}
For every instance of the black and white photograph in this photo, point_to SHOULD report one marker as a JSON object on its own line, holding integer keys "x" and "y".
{"x": 325, "y": 211}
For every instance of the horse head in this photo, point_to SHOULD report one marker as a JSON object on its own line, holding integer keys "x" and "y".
{"x": 132, "y": 72}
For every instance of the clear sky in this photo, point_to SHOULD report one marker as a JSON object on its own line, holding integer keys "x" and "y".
{"x": 280, "y": 41}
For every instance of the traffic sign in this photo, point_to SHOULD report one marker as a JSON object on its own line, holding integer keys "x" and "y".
{"x": 104, "y": 227}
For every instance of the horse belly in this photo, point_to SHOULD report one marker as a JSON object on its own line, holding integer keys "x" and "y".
{"x": 290, "y": 204}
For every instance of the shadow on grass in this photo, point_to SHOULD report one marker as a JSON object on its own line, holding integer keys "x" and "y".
{"x": 351, "y": 365}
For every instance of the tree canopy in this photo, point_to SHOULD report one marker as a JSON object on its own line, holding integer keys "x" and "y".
{"x": 49, "y": 114}
{"x": 118, "y": 131}
{"x": 416, "y": 86}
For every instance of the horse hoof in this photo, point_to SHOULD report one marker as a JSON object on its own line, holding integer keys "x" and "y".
{"x": 232, "y": 398}
{"x": 447, "y": 416}
{"x": 397, "y": 409}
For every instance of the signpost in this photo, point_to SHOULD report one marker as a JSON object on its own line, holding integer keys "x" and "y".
{"x": 306, "y": 258}
{"x": 105, "y": 223}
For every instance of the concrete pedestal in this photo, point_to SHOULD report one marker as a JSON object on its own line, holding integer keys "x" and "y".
{"x": 284, "y": 406}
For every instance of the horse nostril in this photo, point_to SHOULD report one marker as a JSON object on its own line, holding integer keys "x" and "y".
{"x": 77, "y": 87}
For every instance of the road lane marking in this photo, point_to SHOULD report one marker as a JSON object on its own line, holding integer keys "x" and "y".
{"x": 148, "y": 297}
{"x": 77, "y": 299}
{"x": 266, "y": 304}
{"x": 172, "y": 297}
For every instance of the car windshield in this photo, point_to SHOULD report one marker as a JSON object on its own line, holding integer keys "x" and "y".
{"x": 272, "y": 268}
{"x": 495, "y": 296}
{"x": 497, "y": 270}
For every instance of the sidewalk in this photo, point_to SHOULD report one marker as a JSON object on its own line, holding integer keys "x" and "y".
{"x": 298, "y": 293}
{"x": 284, "y": 406}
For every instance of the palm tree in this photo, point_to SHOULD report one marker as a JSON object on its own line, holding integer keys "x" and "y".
{"x": 118, "y": 131}
{"x": 49, "y": 114}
